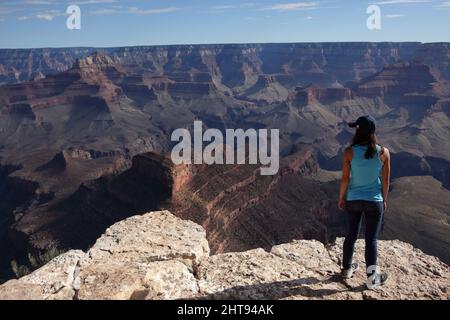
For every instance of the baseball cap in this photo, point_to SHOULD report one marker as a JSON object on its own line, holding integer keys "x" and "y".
{"x": 365, "y": 124}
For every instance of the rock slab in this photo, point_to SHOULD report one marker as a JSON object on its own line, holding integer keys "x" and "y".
{"x": 159, "y": 256}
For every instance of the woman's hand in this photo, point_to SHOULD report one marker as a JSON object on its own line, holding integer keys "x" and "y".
{"x": 347, "y": 158}
{"x": 384, "y": 206}
{"x": 341, "y": 204}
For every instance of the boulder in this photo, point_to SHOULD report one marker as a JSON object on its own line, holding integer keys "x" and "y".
{"x": 54, "y": 281}
{"x": 155, "y": 236}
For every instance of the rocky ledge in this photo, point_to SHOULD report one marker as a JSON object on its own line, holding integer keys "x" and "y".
{"x": 159, "y": 256}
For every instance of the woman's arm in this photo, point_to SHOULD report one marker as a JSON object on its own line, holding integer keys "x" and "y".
{"x": 346, "y": 160}
{"x": 385, "y": 175}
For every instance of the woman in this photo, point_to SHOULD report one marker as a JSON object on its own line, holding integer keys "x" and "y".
{"x": 364, "y": 190}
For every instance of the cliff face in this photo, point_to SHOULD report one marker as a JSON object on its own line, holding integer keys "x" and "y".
{"x": 312, "y": 95}
{"x": 398, "y": 79}
{"x": 427, "y": 231}
{"x": 18, "y": 65}
{"x": 242, "y": 210}
{"x": 161, "y": 171}
{"x": 239, "y": 208}
{"x": 232, "y": 65}
{"x": 158, "y": 256}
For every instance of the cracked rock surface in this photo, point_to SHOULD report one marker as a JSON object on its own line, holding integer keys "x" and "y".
{"x": 159, "y": 256}
{"x": 55, "y": 280}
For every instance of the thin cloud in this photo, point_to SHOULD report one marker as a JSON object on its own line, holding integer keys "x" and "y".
{"x": 139, "y": 11}
{"x": 49, "y": 15}
{"x": 131, "y": 10}
{"x": 445, "y": 4}
{"x": 104, "y": 11}
{"x": 293, "y": 6}
{"x": 225, "y": 7}
{"x": 43, "y": 6}
{"x": 233, "y": 7}
{"x": 388, "y": 2}
{"x": 393, "y": 16}
{"x": 81, "y": 2}
{"x": 93, "y": 2}
{"x": 7, "y": 10}
{"x": 38, "y": 2}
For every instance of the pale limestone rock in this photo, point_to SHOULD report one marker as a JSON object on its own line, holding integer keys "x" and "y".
{"x": 55, "y": 279}
{"x": 111, "y": 280}
{"x": 168, "y": 280}
{"x": 155, "y": 236}
{"x": 412, "y": 274}
{"x": 144, "y": 257}
{"x": 158, "y": 256}
{"x": 309, "y": 270}
{"x": 17, "y": 290}
{"x": 258, "y": 274}
{"x": 124, "y": 281}
{"x": 311, "y": 254}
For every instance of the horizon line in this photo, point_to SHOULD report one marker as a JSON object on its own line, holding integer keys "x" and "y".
{"x": 216, "y": 44}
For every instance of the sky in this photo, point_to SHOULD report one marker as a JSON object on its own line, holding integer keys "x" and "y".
{"x": 112, "y": 23}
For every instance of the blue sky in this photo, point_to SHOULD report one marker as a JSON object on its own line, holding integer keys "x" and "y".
{"x": 108, "y": 23}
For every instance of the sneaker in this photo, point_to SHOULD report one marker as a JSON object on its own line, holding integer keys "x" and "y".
{"x": 379, "y": 279}
{"x": 348, "y": 273}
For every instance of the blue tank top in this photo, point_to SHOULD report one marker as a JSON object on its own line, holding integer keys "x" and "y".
{"x": 365, "y": 181}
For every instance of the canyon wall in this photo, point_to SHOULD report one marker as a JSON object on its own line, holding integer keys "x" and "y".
{"x": 233, "y": 65}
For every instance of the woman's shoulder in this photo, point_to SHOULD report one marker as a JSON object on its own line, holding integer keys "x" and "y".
{"x": 383, "y": 151}
{"x": 348, "y": 149}
{"x": 348, "y": 152}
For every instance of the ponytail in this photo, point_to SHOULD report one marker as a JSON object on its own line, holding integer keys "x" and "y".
{"x": 369, "y": 140}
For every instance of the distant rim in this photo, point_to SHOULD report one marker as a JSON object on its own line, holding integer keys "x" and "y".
{"x": 229, "y": 44}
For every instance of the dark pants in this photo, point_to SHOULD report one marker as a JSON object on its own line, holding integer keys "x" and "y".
{"x": 373, "y": 212}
